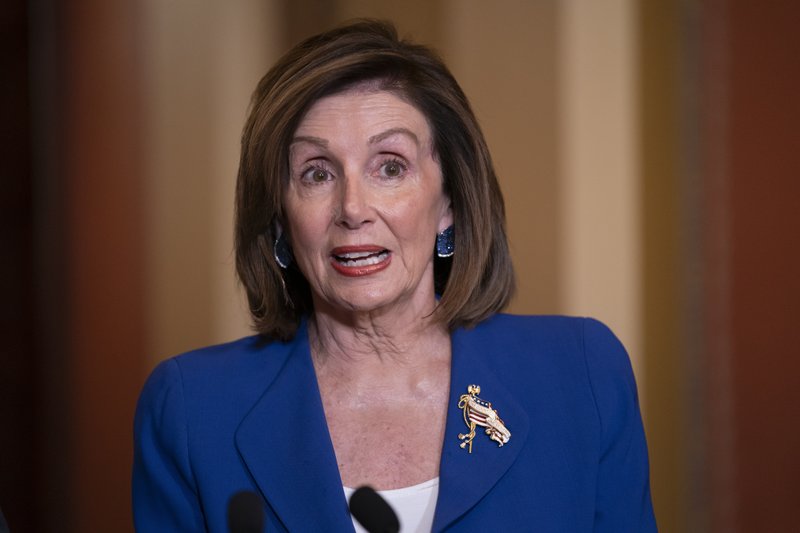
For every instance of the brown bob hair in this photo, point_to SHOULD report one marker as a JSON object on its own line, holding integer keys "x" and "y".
{"x": 476, "y": 281}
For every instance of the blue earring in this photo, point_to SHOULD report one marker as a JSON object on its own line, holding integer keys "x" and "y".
{"x": 446, "y": 243}
{"x": 282, "y": 252}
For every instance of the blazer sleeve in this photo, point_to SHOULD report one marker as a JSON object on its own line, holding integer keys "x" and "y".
{"x": 164, "y": 489}
{"x": 623, "y": 501}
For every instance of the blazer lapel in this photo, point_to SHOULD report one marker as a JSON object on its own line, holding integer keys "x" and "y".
{"x": 465, "y": 478}
{"x": 285, "y": 443}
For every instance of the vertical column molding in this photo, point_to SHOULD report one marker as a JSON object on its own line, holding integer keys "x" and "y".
{"x": 506, "y": 61}
{"x": 599, "y": 210}
{"x": 248, "y": 42}
{"x": 101, "y": 141}
{"x": 202, "y": 63}
{"x": 718, "y": 477}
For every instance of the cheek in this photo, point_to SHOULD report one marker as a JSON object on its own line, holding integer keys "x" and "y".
{"x": 417, "y": 222}
{"x": 305, "y": 227}
{"x": 305, "y": 235}
{"x": 303, "y": 210}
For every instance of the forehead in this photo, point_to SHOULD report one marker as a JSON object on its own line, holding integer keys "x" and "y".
{"x": 363, "y": 109}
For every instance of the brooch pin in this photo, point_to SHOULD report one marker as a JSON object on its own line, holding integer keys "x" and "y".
{"x": 478, "y": 412}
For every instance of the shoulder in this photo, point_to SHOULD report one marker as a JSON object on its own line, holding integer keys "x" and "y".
{"x": 228, "y": 375}
{"x": 217, "y": 360}
{"x": 575, "y": 354}
{"x": 556, "y": 333}
{"x": 230, "y": 360}
{"x": 598, "y": 347}
{"x": 544, "y": 326}
{"x": 551, "y": 336}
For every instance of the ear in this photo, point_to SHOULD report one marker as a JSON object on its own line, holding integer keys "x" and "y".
{"x": 446, "y": 218}
{"x": 277, "y": 228}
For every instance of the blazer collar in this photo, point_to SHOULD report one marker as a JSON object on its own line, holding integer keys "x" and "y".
{"x": 285, "y": 443}
{"x": 465, "y": 478}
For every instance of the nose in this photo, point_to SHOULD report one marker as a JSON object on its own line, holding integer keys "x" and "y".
{"x": 353, "y": 209}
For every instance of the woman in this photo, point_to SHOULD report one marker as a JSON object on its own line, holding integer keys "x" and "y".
{"x": 370, "y": 240}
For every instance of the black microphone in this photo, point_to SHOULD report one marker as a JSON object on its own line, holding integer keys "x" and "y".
{"x": 372, "y": 511}
{"x": 245, "y": 513}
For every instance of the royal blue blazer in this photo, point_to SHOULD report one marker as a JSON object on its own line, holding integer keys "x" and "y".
{"x": 248, "y": 416}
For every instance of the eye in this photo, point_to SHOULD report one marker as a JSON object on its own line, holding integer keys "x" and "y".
{"x": 316, "y": 174}
{"x": 392, "y": 169}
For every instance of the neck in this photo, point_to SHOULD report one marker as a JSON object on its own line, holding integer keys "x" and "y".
{"x": 378, "y": 348}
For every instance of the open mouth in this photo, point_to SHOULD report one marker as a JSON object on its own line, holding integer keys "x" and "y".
{"x": 360, "y": 261}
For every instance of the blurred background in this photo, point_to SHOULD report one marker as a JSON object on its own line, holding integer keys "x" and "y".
{"x": 649, "y": 156}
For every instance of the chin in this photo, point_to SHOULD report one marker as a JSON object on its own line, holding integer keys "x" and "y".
{"x": 362, "y": 300}
{"x": 365, "y": 303}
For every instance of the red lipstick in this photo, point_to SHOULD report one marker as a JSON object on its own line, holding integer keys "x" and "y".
{"x": 362, "y": 260}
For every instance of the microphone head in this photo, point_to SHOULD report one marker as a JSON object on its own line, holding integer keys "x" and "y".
{"x": 245, "y": 513}
{"x": 372, "y": 511}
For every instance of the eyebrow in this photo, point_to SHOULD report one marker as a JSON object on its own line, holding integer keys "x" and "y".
{"x": 309, "y": 139}
{"x": 372, "y": 140}
{"x": 393, "y": 131}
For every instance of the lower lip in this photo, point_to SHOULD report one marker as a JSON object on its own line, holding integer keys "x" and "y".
{"x": 358, "y": 271}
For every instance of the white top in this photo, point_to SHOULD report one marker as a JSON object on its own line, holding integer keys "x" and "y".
{"x": 414, "y": 505}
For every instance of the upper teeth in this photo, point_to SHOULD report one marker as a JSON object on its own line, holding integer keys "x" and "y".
{"x": 356, "y": 255}
{"x": 362, "y": 259}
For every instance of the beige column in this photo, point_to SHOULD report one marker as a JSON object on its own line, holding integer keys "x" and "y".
{"x": 504, "y": 56}
{"x": 203, "y": 60}
{"x": 599, "y": 211}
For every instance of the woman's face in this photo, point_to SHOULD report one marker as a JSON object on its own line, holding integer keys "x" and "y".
{"x": 364, "y": 203}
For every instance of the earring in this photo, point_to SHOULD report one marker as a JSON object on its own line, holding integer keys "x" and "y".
{"x": 446, "y": 243}
{"x": 282, "y": 252}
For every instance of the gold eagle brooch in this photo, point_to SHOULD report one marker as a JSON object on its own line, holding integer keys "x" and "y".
{"x": 478, "y": 412}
